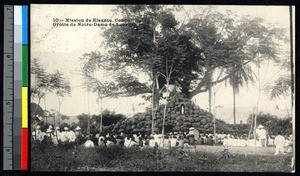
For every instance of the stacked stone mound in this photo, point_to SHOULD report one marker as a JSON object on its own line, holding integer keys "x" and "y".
{"x": 193, "y": 116}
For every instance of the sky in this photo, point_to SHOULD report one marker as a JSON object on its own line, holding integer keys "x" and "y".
{"x": 61, "y": 47}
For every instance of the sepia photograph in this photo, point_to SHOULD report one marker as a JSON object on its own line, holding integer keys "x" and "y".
{"x": 162, "y": 88}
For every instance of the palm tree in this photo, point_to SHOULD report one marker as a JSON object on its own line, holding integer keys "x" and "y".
{"x": 240, "y": 75}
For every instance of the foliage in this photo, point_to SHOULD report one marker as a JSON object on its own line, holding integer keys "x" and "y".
{"x": 223, "y": 127}
{"x": 146, "y": 49}
{"x": 281, "y": 87}
{"x": 108, "y": 118}
{"x": 231, "y": 43}
{"x": 46, "y": 83}
{"x": 41, "y": 84}
{"x": 273, "y": 123}
{"x": 64, "y": 117}
{"x": 64, "y": 124}
{"x": 240, "y": 129}
{"x": 195, "y": 48}
{"x": 35, "y": 110}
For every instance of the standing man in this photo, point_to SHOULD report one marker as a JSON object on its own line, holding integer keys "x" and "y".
{"x": 262, "y": 135}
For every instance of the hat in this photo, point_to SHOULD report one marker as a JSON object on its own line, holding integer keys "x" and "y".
{"x": 260, "y": 126}
{"x": 97, "y": 136}
{"x": 48, "y": 131}
{"x": 57, "y": 128}
{"x": 77, "y": 128}
{"x": 38, "y": 127}
{"x": 66, "y": 128}
{"x": 175, "y": 133}
{"x": 50, "y": 127}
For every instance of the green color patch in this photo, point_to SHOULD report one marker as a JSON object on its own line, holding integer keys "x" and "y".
{"x": 24, "y": 65}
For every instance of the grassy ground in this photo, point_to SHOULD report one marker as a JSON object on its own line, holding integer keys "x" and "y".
{"x": 265, "y": 151}
{"x": 203, "y": 159}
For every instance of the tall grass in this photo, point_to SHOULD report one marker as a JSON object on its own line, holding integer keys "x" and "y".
{"x": 62, "y": 158}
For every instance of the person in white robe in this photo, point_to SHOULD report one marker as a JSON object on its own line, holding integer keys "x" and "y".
{"x": 279, "y": 143}
{"x": 63, "y": 135}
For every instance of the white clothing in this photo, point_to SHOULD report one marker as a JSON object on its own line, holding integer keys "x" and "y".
{"x": 126, "y": 142}
{"x": 173, "y": 142}
{"x": 251, "y": 143}
{"x": 109, "y": 143}
{"x": 158, "y": 140}
{"x": 57, "y": 133}
{"x": 101, "y": 137}
{"x": 151, "y": 143}
{"x": 71, "y": 136}
{"x": 279, "y": 143}
{"x": 271, "y": 142}
{"x": 136, "y": 138}
{"x": 38, "y": 135}
{"x": 262, "y": 133}
{"x": 132, "y": 143}
{"x": 54, "y": 139}
{"x": 166, "y": 143}
{"x": 42, "y": 135}
{"x": 89, "y": 144}
{"x": 63, "y": 136}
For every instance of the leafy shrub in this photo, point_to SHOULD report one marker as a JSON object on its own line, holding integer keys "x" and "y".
{"x": 273, "y": 123}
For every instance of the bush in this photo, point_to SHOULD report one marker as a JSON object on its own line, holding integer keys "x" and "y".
{"x": 273, "y": 123}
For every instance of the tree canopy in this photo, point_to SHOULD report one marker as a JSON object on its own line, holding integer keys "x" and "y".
{"x": 194, "y": 48}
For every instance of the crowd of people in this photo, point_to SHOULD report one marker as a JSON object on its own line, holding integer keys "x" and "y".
{"x": 68, "y": 137}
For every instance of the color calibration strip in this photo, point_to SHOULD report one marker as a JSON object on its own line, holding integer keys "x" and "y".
{"x": 15, "y": 89}
{"x": 20, "y": 120}
{"x": 24, "y": 151}
{"x": 17, "y": 120}
{"x": 8, "y": 87}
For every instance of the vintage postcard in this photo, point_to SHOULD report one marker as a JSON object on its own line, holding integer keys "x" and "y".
{"x": 197, "y": 88}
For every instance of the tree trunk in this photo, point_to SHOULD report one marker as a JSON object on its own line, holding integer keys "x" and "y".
{"x": 101, "y": 115}
{"x": 214, "y": 116}
{"x": 88, "y": 127}
{"x": 209, "y": 99}
{"x": 58, "y": 115}
{"x": 153, "y": 104}
{"x": 234, "y": 105}
{"x": 155, "y": 99}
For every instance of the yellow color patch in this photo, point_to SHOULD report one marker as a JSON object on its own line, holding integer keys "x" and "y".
{"x": 24, "y": 107}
